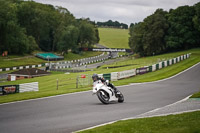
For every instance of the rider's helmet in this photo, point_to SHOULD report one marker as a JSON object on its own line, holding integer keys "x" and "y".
{"x": 95, "y": 77}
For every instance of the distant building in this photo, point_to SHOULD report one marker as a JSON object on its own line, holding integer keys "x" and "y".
{"x": 26, "y": 73}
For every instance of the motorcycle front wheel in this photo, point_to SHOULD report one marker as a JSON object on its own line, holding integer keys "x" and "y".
{"x": 103, "y": 96}
{"x": 121, "y": 98}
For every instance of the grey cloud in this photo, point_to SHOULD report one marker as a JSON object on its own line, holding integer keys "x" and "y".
{"x": 126, "y": 11}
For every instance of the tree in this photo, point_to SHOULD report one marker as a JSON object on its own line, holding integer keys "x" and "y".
{"x": 68, "y": 39}
{"x": 196, "y": 21}
{"x": 181, "y": 33}
{"x": 136, "y": 37}
{"x": 147, "y": 38}
{"x": 97, "y": 35}
{"x": 112, "y": 24}
{"x": 156, "y": 27}
{"x": 87, "y": 34}
{"x": 196, "y": 18}
{"x": 13, "y": 37}
{"x": 27, "y": 25}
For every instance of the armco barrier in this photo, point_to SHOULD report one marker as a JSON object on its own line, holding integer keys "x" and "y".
{"x": 160, "y": 65}
{"x": 157, "y": 66}
{"x": 150, "y": 68}
{"x": 44, "y": 64}
{"x": 165, "y": 63}
{"x": 174, "y": 60}
{"x": 22, "y": 67}
{"x": 128, "y": 73}
{"x": 154, "y": 67}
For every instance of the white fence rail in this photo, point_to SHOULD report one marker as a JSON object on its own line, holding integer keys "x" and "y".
{"x": 29, "y": 87}
{"x": 127, "y": 73}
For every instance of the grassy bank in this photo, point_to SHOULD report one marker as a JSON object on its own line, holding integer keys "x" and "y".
{"x": 182, "y": 123}
{"x": 196, "y": 95}
{"x": 15, "y": 60}
{"x": 163, "y": 73}
{"x": 114, "y": 38}
{"x": 47, "y": 84}
{"x": 12, "y": 61}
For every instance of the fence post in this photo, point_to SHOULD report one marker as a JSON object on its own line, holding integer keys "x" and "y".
{"x": 77, "y": 82}
{"x": 57, "y": 85}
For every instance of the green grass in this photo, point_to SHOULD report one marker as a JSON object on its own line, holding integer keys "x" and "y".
{"x": 162, "y": 73}
{"x": 14, "y": 60}
{"x": 114, "y": 38}
{"x": 72, "y": 56}
{"x": 181, "y": 123}
{"x": 47, "y": 84}
{"x": 196, "y": 95}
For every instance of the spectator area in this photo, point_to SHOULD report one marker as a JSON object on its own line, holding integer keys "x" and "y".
{"x": 49, "y": 56}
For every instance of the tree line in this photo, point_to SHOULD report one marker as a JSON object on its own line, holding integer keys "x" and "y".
{"x": 112, "y": 24}
{"x": 164, "y": 31}
{"x": 26, "y": 26}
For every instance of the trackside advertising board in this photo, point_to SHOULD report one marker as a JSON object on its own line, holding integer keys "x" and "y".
{"x": 142, "y": 70}
{"x": 9, "y": 89}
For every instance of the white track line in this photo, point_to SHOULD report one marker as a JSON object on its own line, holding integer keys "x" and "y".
{"x": 138, "y": 116}
{"x": 90, "y": 90}
{"x": 45, "y": 97}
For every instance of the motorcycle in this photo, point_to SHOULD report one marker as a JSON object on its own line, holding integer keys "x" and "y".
{"x": 106, "y": 94}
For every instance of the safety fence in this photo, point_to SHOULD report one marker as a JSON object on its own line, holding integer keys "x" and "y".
{"x": 84, "y": 80}
{"x": 23, "y": 67}
{"x": 114, "y": 76}
{"x": 49, "y": 64}
{"x": 10, "y": 89}
{"x": 79, "y": 63}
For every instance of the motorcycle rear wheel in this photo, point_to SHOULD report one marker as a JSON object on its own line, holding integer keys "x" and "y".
{"x": 121, "y": 98}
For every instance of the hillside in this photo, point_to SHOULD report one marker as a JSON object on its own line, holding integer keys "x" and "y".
{"x": 114, "y": 38}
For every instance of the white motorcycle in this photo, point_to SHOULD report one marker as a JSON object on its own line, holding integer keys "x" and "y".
{"x": 106, "y": 94}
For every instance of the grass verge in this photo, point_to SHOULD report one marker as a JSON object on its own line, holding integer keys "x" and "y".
{"x": 14, "y": 60}
{"x": 196, "y": 95}
{"x": 181, "y": 123}
{"x": 162, "y": 73}
{"x": 47, "y": 84}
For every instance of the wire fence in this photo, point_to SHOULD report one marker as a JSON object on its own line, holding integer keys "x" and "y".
{"x": 84, "y": 80}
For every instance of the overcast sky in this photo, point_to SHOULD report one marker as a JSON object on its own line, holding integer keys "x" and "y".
{"x": 124, "y": 11}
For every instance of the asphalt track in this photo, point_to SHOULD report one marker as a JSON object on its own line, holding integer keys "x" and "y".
{"x": 68, "y": 113}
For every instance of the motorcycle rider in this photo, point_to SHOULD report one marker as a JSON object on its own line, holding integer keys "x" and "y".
{"x": 95, "y": 77}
